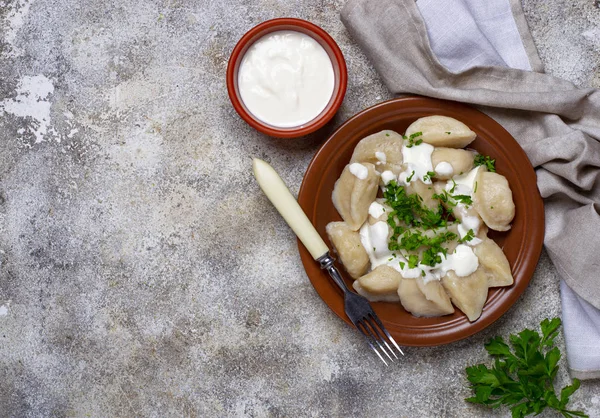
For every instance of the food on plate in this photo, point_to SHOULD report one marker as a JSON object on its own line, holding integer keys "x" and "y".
{"x": 354, "y": 192}
{"x": 381, "y": 148}
{"x": 493, "y": 262}
{"x": 416, "y": 211}
{"x": 467, "y": 293}
{"x": 380, "y": 284}
{"x": 424, "y": 299}
{"x": 447, "y": 162}
{"x": 493, "y": 201}
{"x": 346, "y": 243}
{"x": 442, "y": 131}
{"x": 378, "y": 211}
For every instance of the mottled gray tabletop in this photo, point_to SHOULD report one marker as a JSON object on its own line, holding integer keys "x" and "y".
{"x": 142, "y": 272}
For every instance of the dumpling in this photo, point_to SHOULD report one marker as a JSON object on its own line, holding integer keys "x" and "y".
{"x": 493, "y": 262}
{"x": 426, "y": 192}
{"x": 346, "y": 243}
{"x": 467, "y": 293}
{"x": 354, "y": 192}
{"x": 448, "y": 162}
{"x": 381, "y": 148}
{"x": 381, "y": 284}
{"x": 424, "y": 299}
{"x": 442, "y": 131}
{"x": 493, "y": 201}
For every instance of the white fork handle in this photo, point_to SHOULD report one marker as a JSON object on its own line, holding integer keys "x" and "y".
{"x": 288, "y": 207}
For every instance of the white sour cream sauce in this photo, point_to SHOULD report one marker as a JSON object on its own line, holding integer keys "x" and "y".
{"x": 381, "y": 157}
{"x": 465, "y": 185}
{"x": 374, "y": 239}
{"x": 360, "y": 171}
{"x": 418, "y": 160}
{"x": 286, "y": 79}
{"x": 376, "y": 210}
{"x": 444, "y": 168}
{"x": 387, "y": 176}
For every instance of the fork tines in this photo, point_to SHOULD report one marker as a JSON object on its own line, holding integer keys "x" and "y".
{"x": 377, "y": 336}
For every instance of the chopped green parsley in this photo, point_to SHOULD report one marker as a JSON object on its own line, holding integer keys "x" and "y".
{"x": 411, "y": 139}
{"x": 486, "y": 161}
{"x": 429, "y": 176}
{"x": 468, "y": 237}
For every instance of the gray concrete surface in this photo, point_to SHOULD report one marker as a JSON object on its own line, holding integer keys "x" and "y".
{"x": 142, "y": 273}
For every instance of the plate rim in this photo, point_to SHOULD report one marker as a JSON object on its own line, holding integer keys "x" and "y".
{"x": 510, "y": 294}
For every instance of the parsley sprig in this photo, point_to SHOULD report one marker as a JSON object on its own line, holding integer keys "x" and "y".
{"x": 486, "y": 161}
{"x": 523, "y": 378}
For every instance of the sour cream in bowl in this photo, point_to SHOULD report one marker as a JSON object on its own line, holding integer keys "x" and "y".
{"x": 286, "y": 77}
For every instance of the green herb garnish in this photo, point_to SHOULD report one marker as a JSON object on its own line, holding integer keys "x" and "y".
{"x": 446, "y": 198}
{"x": 468, "y": 237}
{"x": 463, "y": 198}
{"x": 411, "y": 139}
{"x": 522, "y": 379}
{"x": 486, "y": 161}
{"x": 413, "y": 260}
{"x": 453, "y": 186}
{"x": 429, "y": 176}
{"x": 409, "y": 210}
{"x": 431, "y": 256}
{"x": 408, "y": 179}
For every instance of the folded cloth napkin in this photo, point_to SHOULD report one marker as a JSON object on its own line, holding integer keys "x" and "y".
{"x": 482, "y": 53}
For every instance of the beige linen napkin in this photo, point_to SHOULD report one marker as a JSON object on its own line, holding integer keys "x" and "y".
{"x": 556, "y": 123}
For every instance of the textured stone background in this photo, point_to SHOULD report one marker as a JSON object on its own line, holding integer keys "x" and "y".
{"x": 142, "y": 273}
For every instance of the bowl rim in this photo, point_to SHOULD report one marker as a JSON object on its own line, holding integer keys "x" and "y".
{"x": 236, "y": 55}
{"x": 527, "y": 259}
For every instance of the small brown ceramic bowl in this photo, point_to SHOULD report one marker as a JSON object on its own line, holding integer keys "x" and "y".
{"x": 522, "y": 244}
{"x": 319, "y": 35}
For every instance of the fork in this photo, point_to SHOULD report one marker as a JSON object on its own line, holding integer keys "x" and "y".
{"x": 361, "y": 314}
{"x": 357, "y": 308}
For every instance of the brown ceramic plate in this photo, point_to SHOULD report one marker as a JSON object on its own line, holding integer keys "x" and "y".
{"x": 522, "y": 244}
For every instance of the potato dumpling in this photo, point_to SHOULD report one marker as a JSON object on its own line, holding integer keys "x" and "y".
{"x": 381, "y": 148}
{"x": 493, "y": 201}
{"x": 383, "y": 280}
{"x": 493, "y": 262}
{"x": 426, "y": 192}
{"x": 467, "y": 293}
{"x": 442, "y": 131}
{"x": 354, "y": 193}
{"x": 424, "y": 299}
{"x": 460, "y": 161}
{"x": 346, "y": 243}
